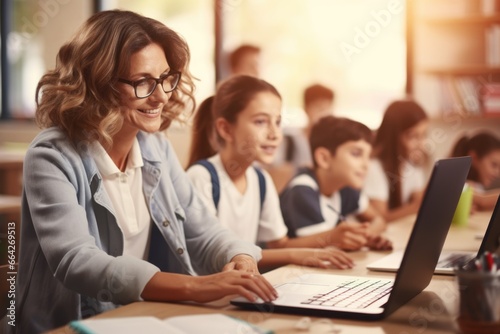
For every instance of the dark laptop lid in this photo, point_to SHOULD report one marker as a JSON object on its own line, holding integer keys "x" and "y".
{"x": 491, "y": 240}
{"x": 420, "y": 257}
{"x": 429, "y": 231}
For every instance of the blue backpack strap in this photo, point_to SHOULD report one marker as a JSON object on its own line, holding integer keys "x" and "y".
{"x": 214, "y": 178}
{"x": 262, "y": 186}
{"x": 216, "y": 185}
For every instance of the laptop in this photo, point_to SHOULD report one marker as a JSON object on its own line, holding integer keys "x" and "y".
{"x": 448, "y": 260}
{"x": 369, "y": 298}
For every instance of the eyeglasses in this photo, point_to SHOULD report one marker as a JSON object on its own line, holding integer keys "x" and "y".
{"x": 145, "y": 87}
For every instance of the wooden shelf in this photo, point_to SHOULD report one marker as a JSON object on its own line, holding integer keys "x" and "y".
{"x": 451, "y": 54}
{"x": 478, "y": 69}
{"x": 441, "y": 115}
{"x": 469, "y": 19}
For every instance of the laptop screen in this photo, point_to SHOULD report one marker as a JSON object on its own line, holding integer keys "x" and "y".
{"x": 429, "y": 231}
{"x": 491, "y": 240}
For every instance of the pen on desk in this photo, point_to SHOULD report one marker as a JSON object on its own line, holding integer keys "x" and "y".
{"x": 479, "y": 267}
{"x": 478, "y": 284}
{"x": 489, "y": 261}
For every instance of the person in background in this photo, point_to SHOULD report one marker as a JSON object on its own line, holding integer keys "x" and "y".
{"x": 396, "y": 178}
{"x": 244, "y": 119}
{"x": 318, "y": 102}
{"x": 245, "y": 60}
{"x": 318, "y": 201}
{"x": 109, "y": 216}
{"x": 484, "y": 149}
{"x": 294, "y": 152}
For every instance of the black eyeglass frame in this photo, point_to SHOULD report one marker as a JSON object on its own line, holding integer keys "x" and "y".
{"x": 157, "y": 81}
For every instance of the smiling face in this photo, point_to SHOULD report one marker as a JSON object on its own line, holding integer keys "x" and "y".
{"x": 349, "y": 165}
{"x": 257, "y": 132}
{"x": 487, "y": 167}
{"x": 144, "y": 114}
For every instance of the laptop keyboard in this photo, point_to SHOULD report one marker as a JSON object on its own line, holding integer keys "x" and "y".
{"x": 356, "y": 293}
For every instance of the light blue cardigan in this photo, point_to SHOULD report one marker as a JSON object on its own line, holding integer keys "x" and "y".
{"x": 71, "y": 263}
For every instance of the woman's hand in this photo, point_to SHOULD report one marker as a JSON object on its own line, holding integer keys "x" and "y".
{"x": 204, "y": 289}
{"x": 320, "y": 257}
{"x": 242, "y": 262}
{"x": 176, "y": 287}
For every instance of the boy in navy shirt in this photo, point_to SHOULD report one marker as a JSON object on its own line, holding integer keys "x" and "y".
{"x": 318, "y": 201}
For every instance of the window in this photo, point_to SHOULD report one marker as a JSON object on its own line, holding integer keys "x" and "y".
{"x": 32, "y": 42}
{"x": 194, "y": 21}
{"x": 355, "y": 47}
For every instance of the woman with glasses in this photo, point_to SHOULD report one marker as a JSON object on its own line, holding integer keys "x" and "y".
{"x": 109, "y": 215}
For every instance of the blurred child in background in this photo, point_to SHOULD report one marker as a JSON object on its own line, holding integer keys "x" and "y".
{"x": 484, "y": 149}
{"x": 245, "y": 60}
{"x": 294, "y": 152}
{"x": 396, "y": 177}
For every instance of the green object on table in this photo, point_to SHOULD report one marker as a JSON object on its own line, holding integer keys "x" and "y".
{"x": 462, "y": 212}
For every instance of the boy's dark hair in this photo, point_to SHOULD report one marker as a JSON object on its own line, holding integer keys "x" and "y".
{"x": 316, "y": 92}
{"x": 237, "y": 54}
{"x": 330, "y": 132}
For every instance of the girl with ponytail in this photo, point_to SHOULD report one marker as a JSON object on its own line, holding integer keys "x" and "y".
{"x": 233, "y": 131}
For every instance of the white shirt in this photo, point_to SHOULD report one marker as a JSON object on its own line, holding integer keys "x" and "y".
{"x": 125, "y": 192}
{"x": 239, "y": 212}
{"x": 377, "y": 184}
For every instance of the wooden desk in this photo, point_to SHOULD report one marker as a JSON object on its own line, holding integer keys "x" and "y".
{"x": 432, "y": 311}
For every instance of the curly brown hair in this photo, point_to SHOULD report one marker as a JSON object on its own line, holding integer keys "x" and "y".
{"x": 80, "y": 95}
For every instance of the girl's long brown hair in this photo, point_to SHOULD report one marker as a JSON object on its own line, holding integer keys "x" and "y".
{"x": 398, "y": 118}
